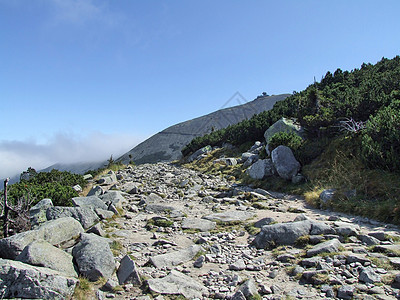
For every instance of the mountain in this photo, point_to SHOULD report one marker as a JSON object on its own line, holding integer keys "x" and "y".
{"x": 167, "y": 144}
{"x": 77, "y": 168}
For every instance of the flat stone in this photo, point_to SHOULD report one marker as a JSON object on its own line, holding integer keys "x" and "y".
{"x": 345, "y": 292}
{"x": 90, "y": 201}
{"x": 238, "y": 265}
{"x": 199, "y": 224}
{"x": 176, "y": 257}
{"x": 325, "y": 247}
{"x": 176, "y": 283}
{"x": 230, "y": 216}
{"x": 346, "y": 229}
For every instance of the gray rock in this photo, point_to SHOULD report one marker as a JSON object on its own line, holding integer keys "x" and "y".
{"x": 96, "y": 229}
{"x": 238, "y": 265}
{"x": 113, "y": 197}
{"x": 12, "y": 246}
{"x": 230, "y": 216}
{"x": 345, "y": 292}
{"x": 103, "y": 214}
{"x": 37, "y": 213}
{"x": 263, "y": 222}
{"x": 260, "y": 169}
{"x": 158, "y": 208}
{"x": 238, "y": 296}
{"x": 19, "y": 280}
{"x": 396, "y": 281}
{"x": 368, "y": 275}
{"x": 110, "y": 178}
{"x": 176, "y": 283}
{"x": 94, "y": 257}
{"x": 199, "y": 152}
{"x": 325, "y": 247}
{"x": 346, "y": 229}
{"x": 227, "y": 161}
{"x": 127, "y": 272}
{"x": 130, "y": 188}
{"x": 368, "y": 240}
{"x": 249, "y": 289}
{"x": 284, "y": 162}
{"x": 380, "y": 235}
{"x": 199, "y": 262}
{"x": 200, "y": 224}
{"x": 90, "y": 201}
{"x": 87, "y": 176}
{"x": 96, "y": 191}
{"x": 43, "y": 254}
{"x": 61, "y": 231}
{"x": 281, "y": 234}
{"x": 176, "y": 257}
{"x": 318, "y": 228}
{"x": 86, "y": 216}
{"x": 327, "y": 195}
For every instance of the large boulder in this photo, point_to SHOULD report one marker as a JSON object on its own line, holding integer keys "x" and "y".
{"x": 176, "y": 283}
{"x": 89, "y": 201}
{"x": 85, "y": 215}
{"x": 19, "y": 280}
{"x": 94, "y": 257}
{"x": 12, "y": 246}
{"x": 261, "y": 169}
{"x": 282, "y": 234}
{"x": 56, "y": 232}
{"x": 284, "y": 162}
{"x": 60, "y": 231}
{"x": 283, "y": 125}
{"x": 43, "y": 254}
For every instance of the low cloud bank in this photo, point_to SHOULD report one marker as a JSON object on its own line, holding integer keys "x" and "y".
{"x": 17, "y": 156}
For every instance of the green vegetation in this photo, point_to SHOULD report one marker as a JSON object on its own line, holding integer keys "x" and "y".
{"x": 352, "y": 125}
{"x": 289, "y": 139}
{"x": 56, "y": 185}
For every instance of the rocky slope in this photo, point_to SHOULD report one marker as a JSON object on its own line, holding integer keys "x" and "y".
{"x": 167, "y": 144}
{"x": 203, "y": 237}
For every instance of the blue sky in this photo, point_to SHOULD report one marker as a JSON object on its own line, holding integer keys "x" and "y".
{"x": 83, "y": 79}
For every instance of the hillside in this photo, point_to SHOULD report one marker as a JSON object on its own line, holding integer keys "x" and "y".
{"x": 351, "y": 121}
{"x": 167, "y": 144}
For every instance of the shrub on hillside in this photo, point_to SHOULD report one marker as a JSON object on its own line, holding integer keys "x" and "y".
{"x": 289, "y": 139}
{"x": 55, "y": 185}
{"x": 381, "y": 138}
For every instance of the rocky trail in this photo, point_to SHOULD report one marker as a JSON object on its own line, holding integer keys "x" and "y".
{"x": 179, "y": 233}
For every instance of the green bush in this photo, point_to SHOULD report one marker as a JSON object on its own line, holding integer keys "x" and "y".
{"x": 381, "y": 139}
{"x": 289, "y": 139}
{"x": 56, "y": 185}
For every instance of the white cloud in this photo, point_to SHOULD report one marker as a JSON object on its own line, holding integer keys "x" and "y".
{"x": 17, "y": 156}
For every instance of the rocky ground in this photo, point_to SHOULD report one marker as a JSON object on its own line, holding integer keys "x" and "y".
{"x": 173, "y": 233}
{"x": 197, "y": 235}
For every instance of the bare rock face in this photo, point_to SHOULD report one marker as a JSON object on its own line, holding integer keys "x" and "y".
{"x": 19, "y": 280}
{"x": 261, "y": 169}
{"x": 85, "y": 215}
